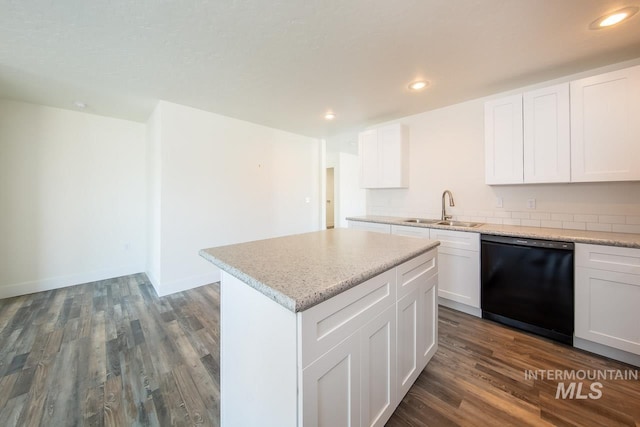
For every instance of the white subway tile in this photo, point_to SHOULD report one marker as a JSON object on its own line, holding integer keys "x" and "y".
{"x": 585, "y": 218}
{"x": 633, "y": 219}
{"x": 530, "y": 222}
{"x": 612, "y": 219}
{"x": 509, "y": 221}
{"x": 502, "y": 214}
{"x": 571, "y": 225}
{"x": 478, "y": 219}
{"x": 485, "y": 213}
{"x": 540, "y": 215}
{"x": 551, "y": 224}
{"x": 597, "y": 226}
{"x": 520, "y": 215}
{"x": 463, "y": 218}
{"x": 561, "y": 217}
{"x": 622, "y": 228}
{"x": 493, "y": 220}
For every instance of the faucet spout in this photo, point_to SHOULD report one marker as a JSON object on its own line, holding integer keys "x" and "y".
{"x": 451, "y": 203}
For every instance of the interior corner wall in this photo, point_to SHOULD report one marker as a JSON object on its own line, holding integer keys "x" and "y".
{"x": 154, "y": 183}
{"x": 72, "y": 198}
{"x": 227, "y": 181}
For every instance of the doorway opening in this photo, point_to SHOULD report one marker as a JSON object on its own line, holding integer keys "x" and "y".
{"x": 330, "y": 211}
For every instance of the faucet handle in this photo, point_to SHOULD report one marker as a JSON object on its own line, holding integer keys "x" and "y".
{"x": 448, "y": 217}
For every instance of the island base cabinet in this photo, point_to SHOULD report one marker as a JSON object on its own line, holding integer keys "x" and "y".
{"x": 331, "y": 387}
{"x": 428, "y": 324}
{"x": 378, "y": 367}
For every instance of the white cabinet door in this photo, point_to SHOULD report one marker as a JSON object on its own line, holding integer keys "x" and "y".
{"x": 428, "y": 321}
{"x": 384, "y": 157}
{"x": 459, "y": 266}
{"x": 393, "y": 151}
{"x": 369, "y": 162}
{"x": 607, "y": 296}
{"x": 547, "y": 142}
{"x": 606, "y": 309}
{"x": 378, "y": 368}
{"x": 370, "y": 226}
{"x": 605, "y": 130}
{"x": 503, "y": 141}
{"x": 408, "y": 364}
{"x": 331, "y": 387}
{"x": 459, "y": 276}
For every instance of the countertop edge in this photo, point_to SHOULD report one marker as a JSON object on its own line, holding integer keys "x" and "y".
{"x": 526, "y": 232}
{"x": 313, "y": 300}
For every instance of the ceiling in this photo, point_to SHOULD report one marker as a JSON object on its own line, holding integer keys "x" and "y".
{"x": 283, "y": 63}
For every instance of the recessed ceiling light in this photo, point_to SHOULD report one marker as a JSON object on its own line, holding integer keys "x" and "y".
{"x": 613, "y": 18}
{"x": 419, "y": 85}
{"x": 330, "y": 116}
{"x": 80, "y": 104}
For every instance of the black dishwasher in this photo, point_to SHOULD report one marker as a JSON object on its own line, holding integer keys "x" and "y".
{"x": 528, "y": 284}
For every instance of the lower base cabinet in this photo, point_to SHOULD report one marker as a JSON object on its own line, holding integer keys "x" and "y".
{"x": 331, "y": 387}
{"x": 361, "y": 381}
{"x": 607, "y": 296}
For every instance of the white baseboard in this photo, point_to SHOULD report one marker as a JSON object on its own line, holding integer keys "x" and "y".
{"x": 460, "y": 307}
{"x": 163, "y": 289}
{"x": 606, "y": 351}
{"x": 47, "y": 284}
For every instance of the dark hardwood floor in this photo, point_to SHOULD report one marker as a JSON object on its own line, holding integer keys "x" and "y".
{"x": 113, "y": 353}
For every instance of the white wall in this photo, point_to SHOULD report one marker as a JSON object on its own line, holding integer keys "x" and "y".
{"x": 72, "y": 198}
{"x": 447, "y": 152}
{"x": 226, "y": 181}
{"x": 154, "y": 183}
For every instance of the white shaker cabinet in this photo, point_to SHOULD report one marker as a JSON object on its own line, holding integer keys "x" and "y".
{"x": 607, "y": 296}
{"x": 384, "y": 157}
{"x": 605, "y": 130}
{"x": 459, "y": 269}
{"x": 547, "y": 141}
{"x": 331, "y": 387}
{"x": 503, "y": 140}
{"x": 417, "y": 319}
{"x": 362, "y": 350}
{"x": 527, "y": 137}
{"x": 378, "y": 364}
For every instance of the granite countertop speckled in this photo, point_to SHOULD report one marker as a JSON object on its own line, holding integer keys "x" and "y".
{"x": 626, "y": 240}
{"x": 303, "y": 270}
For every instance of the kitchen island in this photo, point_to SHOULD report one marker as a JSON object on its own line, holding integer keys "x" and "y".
{"x": 324, "y": 328}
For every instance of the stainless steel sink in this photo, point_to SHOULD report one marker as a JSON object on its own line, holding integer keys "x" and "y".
{"x": 421, "y": 221}
{"x": 459, "y": 223}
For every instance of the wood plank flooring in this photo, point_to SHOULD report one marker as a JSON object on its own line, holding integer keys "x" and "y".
{"x": 112, "y": 353}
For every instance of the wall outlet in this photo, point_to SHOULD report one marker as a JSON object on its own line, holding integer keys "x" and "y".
{"x": 531, "y": 203}
{"x": 499, "y": 202}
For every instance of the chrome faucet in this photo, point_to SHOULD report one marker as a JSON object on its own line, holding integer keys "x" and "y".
{"x": 451, "y": 203}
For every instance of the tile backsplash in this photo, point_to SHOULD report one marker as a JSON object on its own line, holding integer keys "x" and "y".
{"x": 591, "y": 222}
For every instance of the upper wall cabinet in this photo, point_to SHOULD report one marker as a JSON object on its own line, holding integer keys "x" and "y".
{"x": 384, "y": 157}
{"x": 547, "y": 142}
{"x": 605, "y": 129}
{"x": 527, "y": 137}
{"x": 503, "y": 140}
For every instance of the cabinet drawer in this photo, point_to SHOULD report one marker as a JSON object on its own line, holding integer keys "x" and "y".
{"x": 456, "y": 239}
{"x": 370, "y": 226}
{"x": 609, "y": 258}
{"x": 325, "y": 325}
{"x": 416, "y": 271}
{"x": 406, "y": 230}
